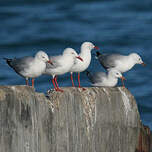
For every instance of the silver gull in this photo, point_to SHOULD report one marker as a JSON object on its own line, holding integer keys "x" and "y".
{"x": 29, "y": 67}
{"x": 109, "y": 79}
{"x": 61, "y": 65}
{"x": 122, "y": 63}
{"x": 85, "y": 54}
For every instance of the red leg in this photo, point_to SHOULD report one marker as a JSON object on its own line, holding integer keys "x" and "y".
{"x": 33, "y": 82}
{"x": 55, "y": 79}
{"x": 54, "y": 84}
{"x": 79, "y": 82}
{"x": 58, "y": 89}
{"x": 27, "y": 82}
{"x": 72, "y": 80}
{"x": 123, "y": 83}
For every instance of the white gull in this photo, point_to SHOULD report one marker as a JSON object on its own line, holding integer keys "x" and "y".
{"x": 122, "y": 63}
{"x": 109, "y": 79}
{"x": 85, "y": 54}
{"x": 29, "y": 67}
{"x": 61, "y": 65}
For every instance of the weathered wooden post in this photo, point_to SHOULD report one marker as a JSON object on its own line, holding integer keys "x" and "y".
{"x": 95, "y": 120}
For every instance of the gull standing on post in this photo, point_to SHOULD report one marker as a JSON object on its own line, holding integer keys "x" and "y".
{"x": 29, "y": 67}
{"x": 61, "y": 65}
{"x": 85, "y": 54}
{"x": 122, "y": 63}
{"x": 109, "y": 79}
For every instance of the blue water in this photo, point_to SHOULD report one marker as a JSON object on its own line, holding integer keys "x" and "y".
{"x": 115, "y": 26}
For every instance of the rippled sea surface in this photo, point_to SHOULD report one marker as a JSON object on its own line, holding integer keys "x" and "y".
{"x": 115, "y": 26}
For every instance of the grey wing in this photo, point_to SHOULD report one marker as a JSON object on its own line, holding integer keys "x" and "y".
{"x": 20, "y": 64}
{"x": 55, "y": 62}
{"x": 108, "y": 60}
{"x": 96, "y": 77}
{"x": 99, "y": 76}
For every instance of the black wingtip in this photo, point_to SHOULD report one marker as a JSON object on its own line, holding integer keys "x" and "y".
{"x": 98, "y": 53}
{"x": 8, "y": 61}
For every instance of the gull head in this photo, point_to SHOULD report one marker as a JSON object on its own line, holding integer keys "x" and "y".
{"x": 88, "y": 46}
{"x": 137, "y": 59}
{"x": 72, "y": 52}
{"x": 41, "y": 55}
{"x": 115, "y": 73}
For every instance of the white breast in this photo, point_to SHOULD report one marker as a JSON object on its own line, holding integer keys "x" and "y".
{"x": 124, "y": 65}
{"x": 107, "y": 82}
{"x": 64, "y": 66}
{"x": 35, "y": 69}
{"x": 81, "y": 66}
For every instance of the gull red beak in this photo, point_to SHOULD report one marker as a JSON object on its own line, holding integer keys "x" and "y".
{"x": 97, "y": 48}
{"x": 123, "y": 78}
{"x": 143, "y": 64}
{"x": 50, "y": 62}
{"x": 79, "y": 58}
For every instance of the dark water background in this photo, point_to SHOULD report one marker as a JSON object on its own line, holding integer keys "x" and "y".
{"x": 115, "y": 26}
